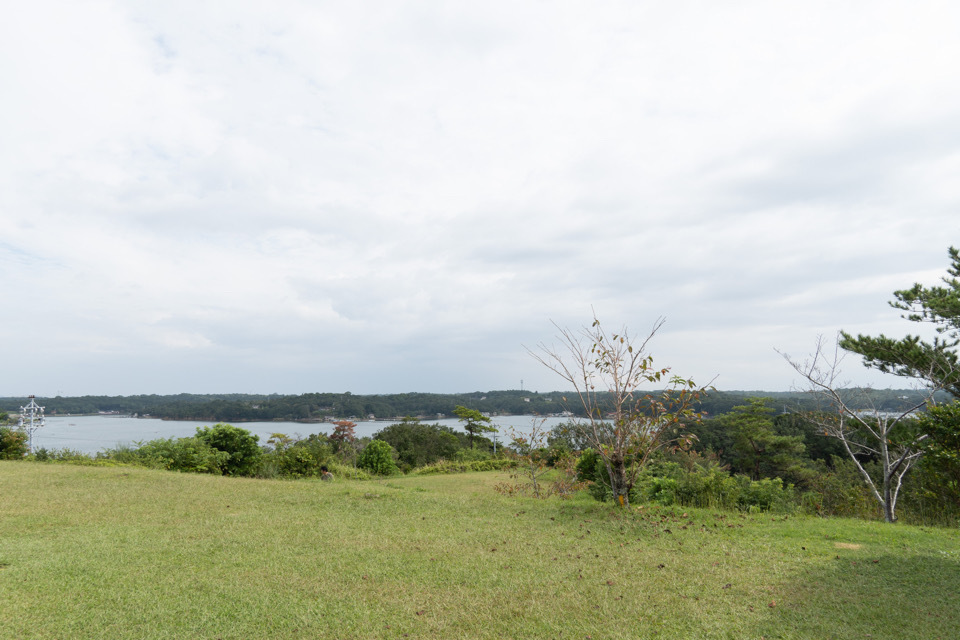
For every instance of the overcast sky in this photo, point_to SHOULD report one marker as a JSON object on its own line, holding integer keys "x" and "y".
{"x": 397, "y": 196}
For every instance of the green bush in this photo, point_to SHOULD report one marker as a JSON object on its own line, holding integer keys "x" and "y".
{"x": 244, "y": 454}
{"x": 295, "y": 458}
{"x": 661, "y": 490}
{"x": 299, "y": 462}
{"x": 587, "y": 466}
{"x": 121, "y": 453}
{"x": 340, "y": 470}
{"x": 706, "y": 485}
{"x": 768, "y": 494}
{"x": 13, "y": 443}
{"x": 189, "y": 455}
{"x": 492, "y": 464}
{"x": 377, "y": 458}
{"x": 839, "y": 490}
{"x": 472, "y": 455}
{"x": 60, "y": 455}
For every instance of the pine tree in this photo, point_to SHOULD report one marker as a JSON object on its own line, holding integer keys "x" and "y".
{"x": 935, "y": 362}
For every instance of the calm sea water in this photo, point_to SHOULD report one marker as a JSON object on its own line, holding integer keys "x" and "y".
{"x": 91, "y": 434}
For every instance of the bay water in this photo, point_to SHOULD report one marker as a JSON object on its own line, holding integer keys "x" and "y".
{"x": 90, "y": 434}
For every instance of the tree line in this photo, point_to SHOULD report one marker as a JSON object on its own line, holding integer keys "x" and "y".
{"x": 317, "y": 407}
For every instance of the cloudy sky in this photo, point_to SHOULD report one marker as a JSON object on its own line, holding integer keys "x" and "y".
{"x": 393, "y": 196}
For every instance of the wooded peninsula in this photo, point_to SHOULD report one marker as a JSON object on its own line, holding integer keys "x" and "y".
{"x": 319, "y": 407}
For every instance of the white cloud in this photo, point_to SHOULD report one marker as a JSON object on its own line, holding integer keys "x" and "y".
{"x": 395, "y": 196}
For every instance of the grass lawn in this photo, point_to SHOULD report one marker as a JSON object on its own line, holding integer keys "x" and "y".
{"x": 96, "y": 552}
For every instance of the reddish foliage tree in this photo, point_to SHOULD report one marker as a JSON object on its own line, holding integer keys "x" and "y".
{"x": 343, "y": 434}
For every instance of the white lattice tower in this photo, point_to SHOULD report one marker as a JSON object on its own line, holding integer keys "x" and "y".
{"x": 31, "y": 419}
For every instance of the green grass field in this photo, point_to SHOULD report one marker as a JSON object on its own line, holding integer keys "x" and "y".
{"x": 91, "y": 552}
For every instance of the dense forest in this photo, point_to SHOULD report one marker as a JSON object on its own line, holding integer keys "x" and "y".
{"x": 318, "y": 407}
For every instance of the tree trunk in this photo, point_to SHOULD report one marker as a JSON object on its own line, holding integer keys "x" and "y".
{"x": 889, "y": 501}
{"x": 618, "y": 481}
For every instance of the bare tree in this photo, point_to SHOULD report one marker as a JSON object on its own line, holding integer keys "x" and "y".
{"x": 534, "y": 462}
{"x": 623, "y": 424}
{"x": 886, "y": 436}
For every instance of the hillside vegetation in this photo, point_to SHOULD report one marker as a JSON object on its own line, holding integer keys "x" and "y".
{"x": 319, "y": 406}
{"x": 129, "y": 552}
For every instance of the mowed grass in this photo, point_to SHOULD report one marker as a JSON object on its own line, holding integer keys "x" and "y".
{"x": 88, "y": 552}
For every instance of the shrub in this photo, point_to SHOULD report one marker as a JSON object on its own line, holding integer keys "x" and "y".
{"x": 298, "y": 462}
{"x": 190, "y": 455}
{"x": 706, "y": 485}
{"x": 838, "y": 490}
{"x": 709, "y": 485}
{"x": 340, "y": 470}
{"x": 377, "y": 458}
{"x": 586, "y": 466}
{"x": 60, "y": 455}
{"x": 13, "y": 443}
{"x": 244, "y": 454}
{"x": 126, "y": 454}
{"x": 768, "y": 494}
{"x": 472, "y": 454}
{"x": 295, "y": 458}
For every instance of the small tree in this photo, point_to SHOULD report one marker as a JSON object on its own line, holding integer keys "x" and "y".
{"x": 343, "y": 435}
{"x": 377, "y": 458}
{"x": 624, "y": 425}
{"x": 760, "y": 452}
{"x": 473, "y": 421}
{"x": 245, "y": 453}
{"x": 419, "y": 444}
{"x": 885, "y": 436}
{"x": 534, "y": 458}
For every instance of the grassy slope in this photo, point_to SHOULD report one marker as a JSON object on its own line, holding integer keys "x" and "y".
{"x": 130, "y": 553}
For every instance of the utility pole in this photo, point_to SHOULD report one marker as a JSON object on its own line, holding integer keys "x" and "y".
{"x": 31, "y": 419}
